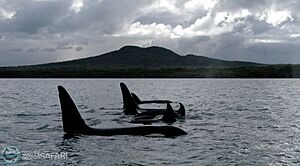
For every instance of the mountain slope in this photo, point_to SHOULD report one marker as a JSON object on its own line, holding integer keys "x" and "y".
{"x": 152, "y": 57}
{"x": 151, "y": 62}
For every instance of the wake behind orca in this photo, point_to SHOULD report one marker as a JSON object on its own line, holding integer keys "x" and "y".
{"x": 74, "y": 124}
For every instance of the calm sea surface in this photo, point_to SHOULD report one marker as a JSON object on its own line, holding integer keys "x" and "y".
{"x": 229, "y": 121}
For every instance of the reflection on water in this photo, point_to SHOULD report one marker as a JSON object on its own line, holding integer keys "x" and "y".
{"x": 229, "y": 121}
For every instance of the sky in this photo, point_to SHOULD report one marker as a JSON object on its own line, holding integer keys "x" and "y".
{"x": 41, "y": 31}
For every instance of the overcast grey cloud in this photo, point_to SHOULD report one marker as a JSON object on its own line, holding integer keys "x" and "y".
{"x": 40, "y": 31}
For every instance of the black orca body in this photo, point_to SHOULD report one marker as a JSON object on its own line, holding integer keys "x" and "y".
{"x": 74, "y": 124}
{"x": 131, "y": 101}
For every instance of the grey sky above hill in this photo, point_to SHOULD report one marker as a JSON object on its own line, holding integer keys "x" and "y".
{"x": 39, "y": 31}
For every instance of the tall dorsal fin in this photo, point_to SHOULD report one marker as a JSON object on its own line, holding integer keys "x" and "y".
{"x": 72, "y": 121}
{"x": 169, "y": 115}
{"x": 129, "y": 105}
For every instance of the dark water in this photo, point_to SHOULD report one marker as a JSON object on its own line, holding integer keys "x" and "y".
{"x": 229, "y": 121}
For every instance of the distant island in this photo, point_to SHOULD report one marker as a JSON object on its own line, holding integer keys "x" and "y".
{"x": 151, "y": 62}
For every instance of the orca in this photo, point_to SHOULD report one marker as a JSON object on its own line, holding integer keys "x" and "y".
{"x": 74, "y": 124}
{"x": 169, "y": 117}
{"x": 130, "y": 105}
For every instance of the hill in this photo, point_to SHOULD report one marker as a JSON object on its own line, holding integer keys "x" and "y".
{"x": 151, "y": 62}
{"x": 129, "y": 57}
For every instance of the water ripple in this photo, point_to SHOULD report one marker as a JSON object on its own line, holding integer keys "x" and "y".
{"x": 229, "y": 121}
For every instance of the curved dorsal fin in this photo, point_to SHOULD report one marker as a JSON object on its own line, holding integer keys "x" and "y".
{"x": 136, "y": 98}
{"x": 129, "y": 105}
{"x": 72, "y": 121}
{"x": 169, "y": 115}
{"x": 181, "y": 111}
